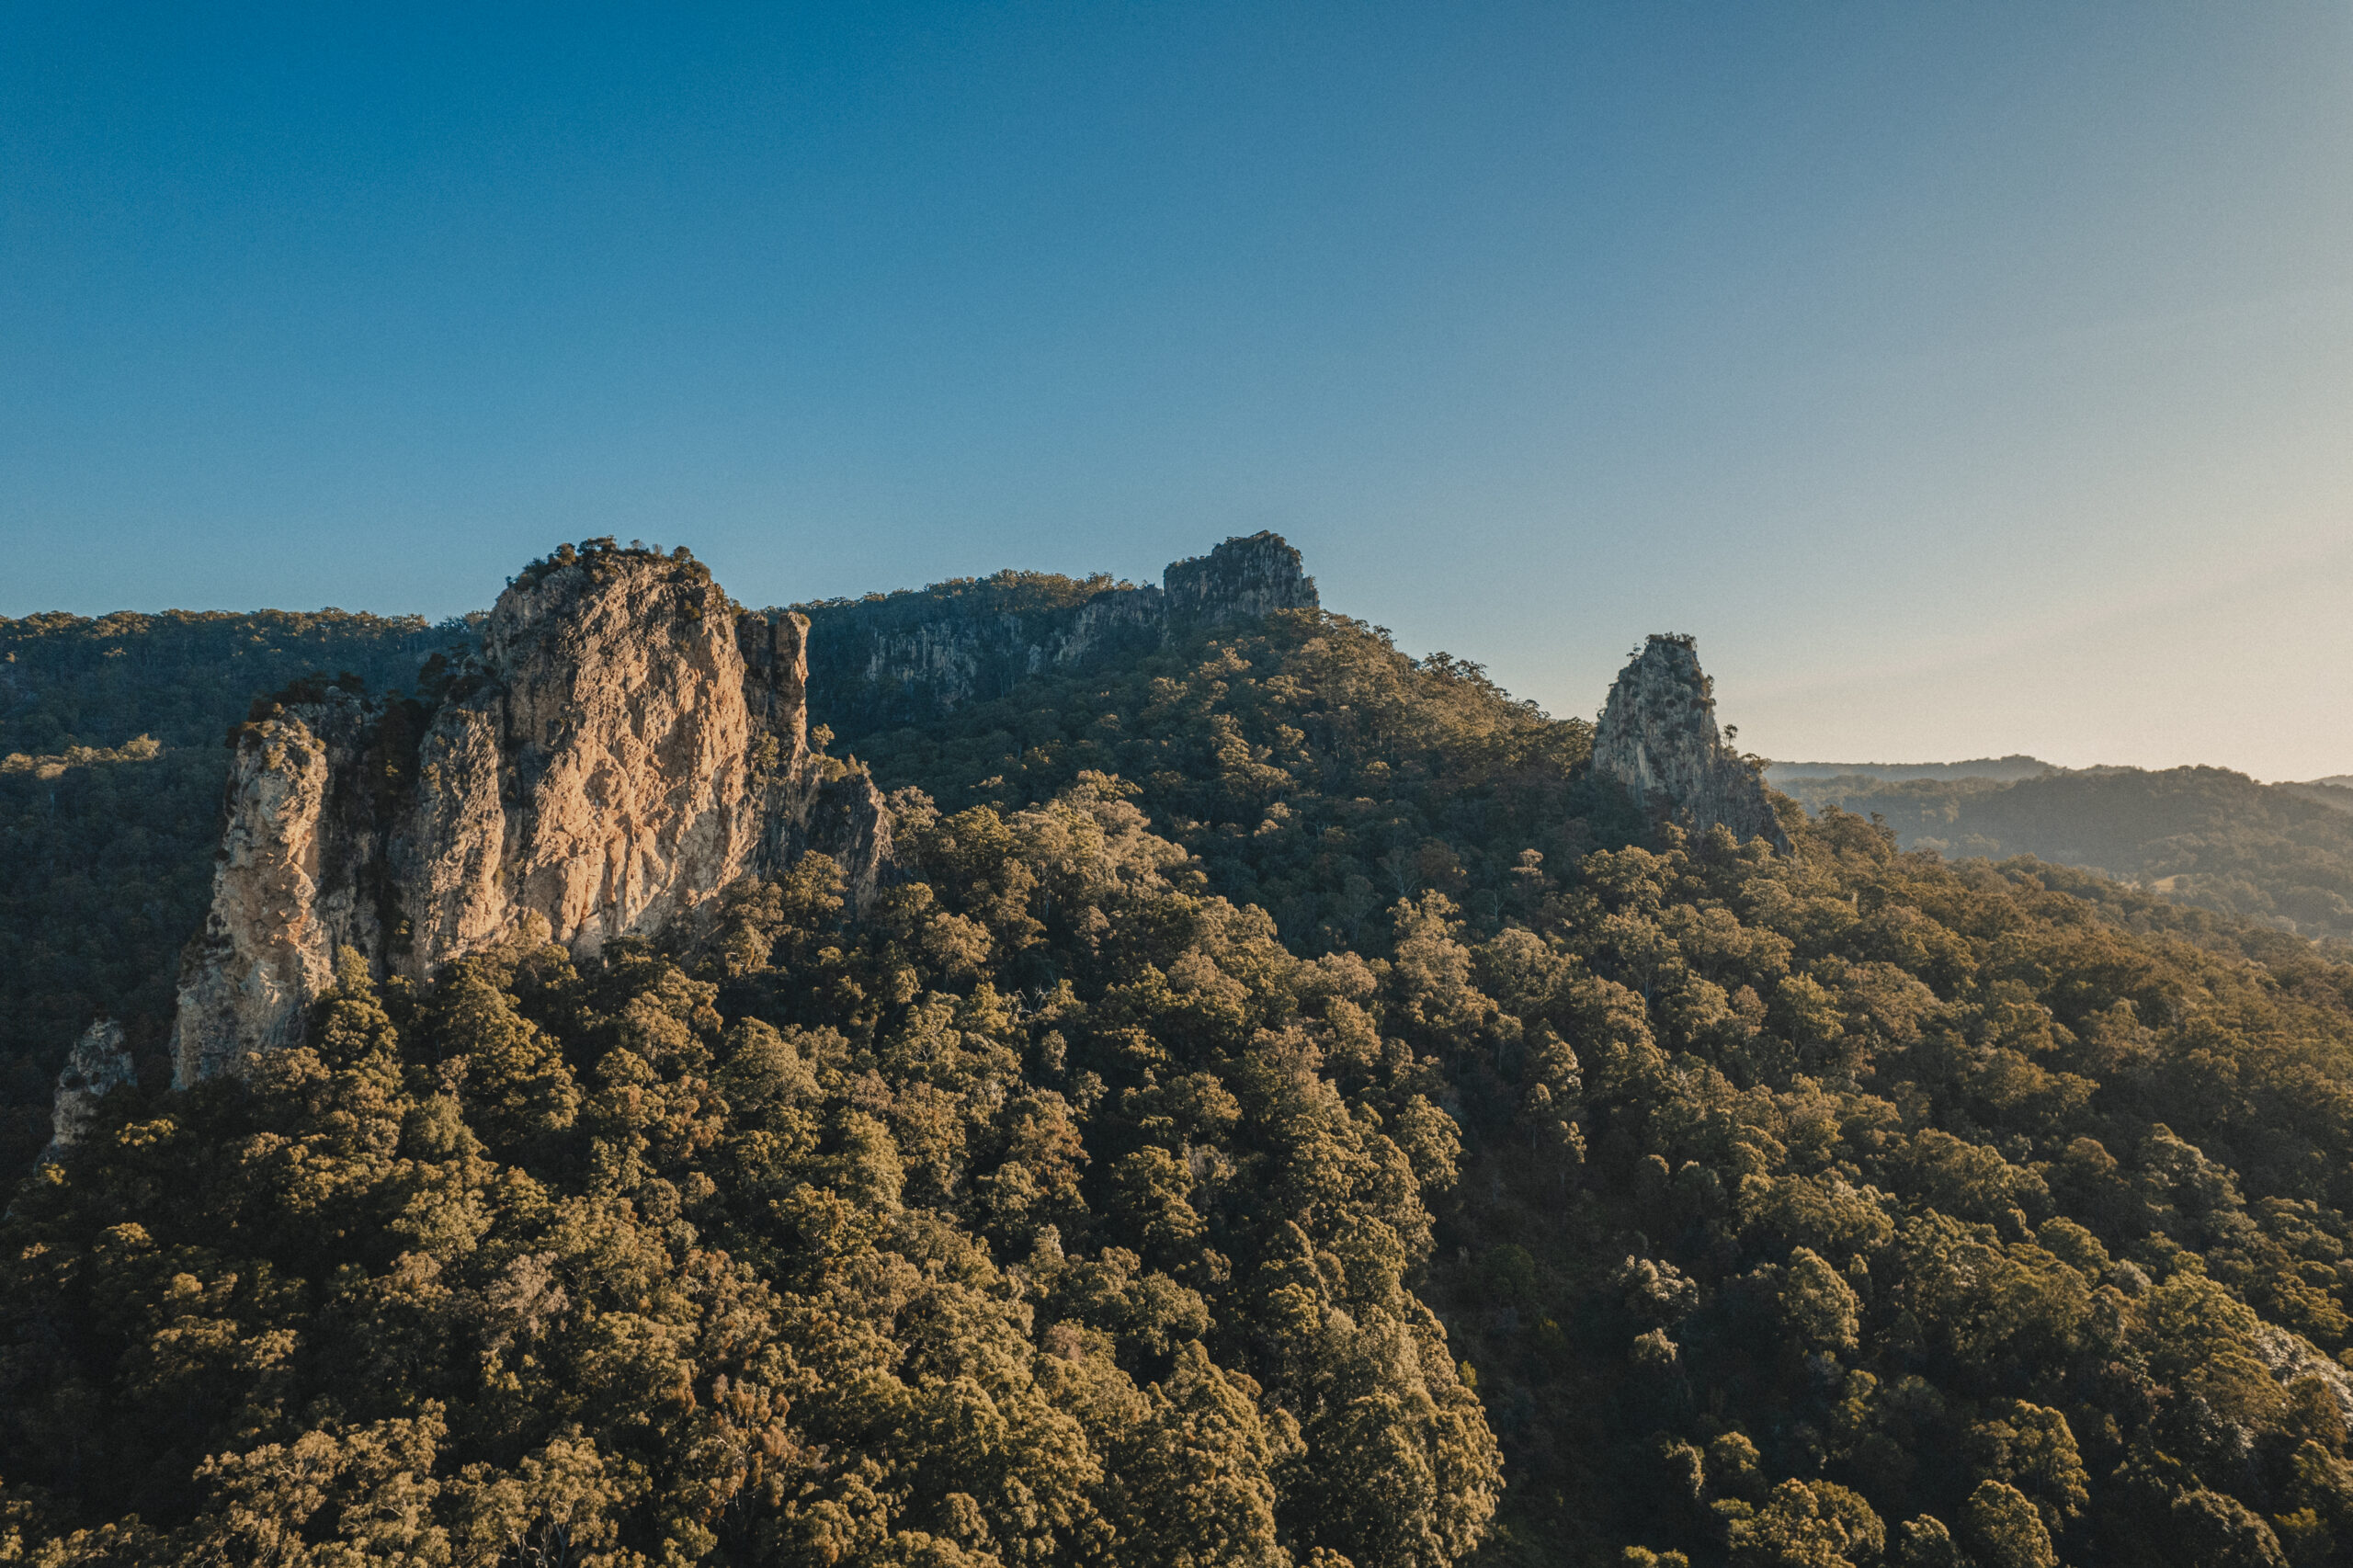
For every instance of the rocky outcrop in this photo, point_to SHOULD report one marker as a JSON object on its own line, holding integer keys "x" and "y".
{"x": 626, "y": 744}
{"x": 2288, "y": 1356}
{"x": 1658, "y": 738}
{"x": 286, "y": 883}
{"x": 1241, "y": 579}
{"x": 601, "y": 775}
{"x": 897, "y": 659}
{"x": 97, "y": 1064}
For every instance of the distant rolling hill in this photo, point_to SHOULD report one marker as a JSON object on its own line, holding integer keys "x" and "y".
{"x": 2336, "y": 793}
{"x": 2004, "y": 769}
{"x": 2279, "y": 853}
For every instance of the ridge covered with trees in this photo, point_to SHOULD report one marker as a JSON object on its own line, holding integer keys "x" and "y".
{"x": 2282, "y": 854}
{"x": 1289, "y": 1112}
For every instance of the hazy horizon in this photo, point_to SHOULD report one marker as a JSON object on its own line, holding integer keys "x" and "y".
{"x": 1968, "y": 380}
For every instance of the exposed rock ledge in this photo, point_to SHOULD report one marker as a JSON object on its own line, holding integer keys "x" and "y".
{"x": 626, "y": 744}
{"x": 893, "y": 659}
{"x": 1658, "y": 738}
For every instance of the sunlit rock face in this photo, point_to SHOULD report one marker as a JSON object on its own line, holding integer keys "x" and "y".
{"x": 894, "y": 659}
{"x": 626, "y": 744}
{"x": 286, "y": 884}
{"x": 1658, "y": 738}
{"x": 601, "y": 775}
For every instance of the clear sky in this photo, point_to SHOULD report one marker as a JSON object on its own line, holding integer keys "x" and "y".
{"x": 1969, "y": 378}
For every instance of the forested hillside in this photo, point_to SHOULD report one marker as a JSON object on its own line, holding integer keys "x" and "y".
{"x": 2277, "y": 853}
{"x": 111, "y": 764}
{"x": 1310, "y": 767}
{"x": 1288, "y": 1111}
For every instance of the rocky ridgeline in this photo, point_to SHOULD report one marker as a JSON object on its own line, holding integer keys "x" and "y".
{"x": 625, "y": 745}
{"x": 1658, "y": 738}
{"x": 898, "y": 659}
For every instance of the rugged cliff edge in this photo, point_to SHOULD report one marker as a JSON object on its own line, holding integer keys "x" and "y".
{"x": 1658, "y": 738}
{"x": 896, "y": 659}
{"x": 625, "y": 746}
{"x": 627, "y": 743}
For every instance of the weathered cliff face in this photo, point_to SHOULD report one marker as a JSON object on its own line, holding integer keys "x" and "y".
{"x": 97, "y": 1064}
{"x": 1241, "y": 579}
{"x": 624, "y": 747}
{"x": 901, "y": 658}
{"x": 1658, "y": 738}
{"x": 288, "y": 887}
{"x": 601, "y": 775}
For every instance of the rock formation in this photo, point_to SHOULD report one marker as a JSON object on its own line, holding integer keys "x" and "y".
{"x": 1243, "y": 578}
{"x": 626, "y": 744}
{"x": 901, "y": 658}
{"x": 97, "y": 1063}
{"x": 1658, "y": 738}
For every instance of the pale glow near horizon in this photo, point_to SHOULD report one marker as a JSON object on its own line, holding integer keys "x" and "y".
{"x": 1968, "y": 380}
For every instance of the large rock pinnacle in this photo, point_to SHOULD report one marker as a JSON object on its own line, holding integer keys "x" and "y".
{"x": 601, "y": 778}
{"x": 626, "y": 745}
{"x": 1658, "y": 738}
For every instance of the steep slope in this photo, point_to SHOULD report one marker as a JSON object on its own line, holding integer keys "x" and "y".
{"x": 912, "y": 658}
{"x": 1603, "y": 1191}
{"x": 1312, "y": 768}
{"x": 112, "y": 774}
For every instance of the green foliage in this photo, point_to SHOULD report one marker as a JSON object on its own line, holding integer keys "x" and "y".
{"x": 1289, "y": 1112}
{"x": 182, "y": 675}
{"x": 112, "y": 769}
{"x": 1312, "y": 768}
{"x": 987, "y": 626}
{"x": 2282, "y": 854}
{"x": 864, "y": 1256}
{"x": 2004, "y": 1530}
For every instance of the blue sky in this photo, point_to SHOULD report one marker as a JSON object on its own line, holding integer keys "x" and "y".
{"x": 1968, "y": 378}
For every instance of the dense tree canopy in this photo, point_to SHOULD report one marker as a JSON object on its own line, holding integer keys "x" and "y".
{"x": 111, "y": 768}
{"x": 1020, "y": 1222}
{"x": 1288, "y": 1112}
{"x": 1312, "y": 769}
{"x": 2282, "y": 854}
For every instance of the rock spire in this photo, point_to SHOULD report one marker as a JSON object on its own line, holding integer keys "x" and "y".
{"x": 1658, "y": 738}
{"x": 626, "y": 744}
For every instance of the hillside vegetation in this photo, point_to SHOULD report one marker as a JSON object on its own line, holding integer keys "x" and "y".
{"x": 1290, "y": 1113}
{"x": 112, "y": 768}
{"x": 2281, "y": 853}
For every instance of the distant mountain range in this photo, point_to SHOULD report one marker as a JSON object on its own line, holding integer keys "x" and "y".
{"x": 2279, "y": 853}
